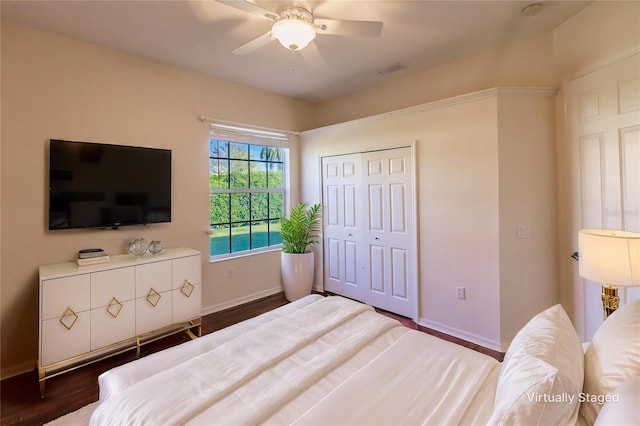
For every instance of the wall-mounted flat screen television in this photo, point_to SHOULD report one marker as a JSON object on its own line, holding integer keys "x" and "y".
{"x": 96, "y": 185}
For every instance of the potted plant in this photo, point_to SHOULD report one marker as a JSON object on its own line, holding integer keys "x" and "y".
{"x": 299, "y": 232}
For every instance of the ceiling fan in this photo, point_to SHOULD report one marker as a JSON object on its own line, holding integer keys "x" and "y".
{"x": 295, "y": 27}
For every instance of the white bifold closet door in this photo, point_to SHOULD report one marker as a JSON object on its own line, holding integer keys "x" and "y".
{"x": 369, "y": 240}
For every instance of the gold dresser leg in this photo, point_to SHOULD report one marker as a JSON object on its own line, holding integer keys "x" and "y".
{"x": 41, "y": 379}
{"x": 197, "y": 323}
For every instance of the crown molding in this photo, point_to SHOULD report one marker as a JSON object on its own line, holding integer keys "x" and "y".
{"x": 599, "y": 65}
{"x": 443, "y": 103}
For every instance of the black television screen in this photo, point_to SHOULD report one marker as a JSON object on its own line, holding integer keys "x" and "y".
{"x": 95, "y": 185}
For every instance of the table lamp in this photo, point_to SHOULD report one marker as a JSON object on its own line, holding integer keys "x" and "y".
{"x": 611, "y": 258}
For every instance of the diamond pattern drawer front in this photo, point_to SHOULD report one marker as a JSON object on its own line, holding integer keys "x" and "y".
{"x": 62, "y": 293}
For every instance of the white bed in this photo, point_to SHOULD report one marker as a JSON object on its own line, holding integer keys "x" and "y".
{"x": 334, "y": 361}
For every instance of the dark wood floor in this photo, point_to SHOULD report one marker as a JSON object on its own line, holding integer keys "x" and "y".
{"x": 20, "y": 395}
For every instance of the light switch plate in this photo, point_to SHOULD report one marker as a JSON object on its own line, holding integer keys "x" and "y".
{"x": 524, "y": 231}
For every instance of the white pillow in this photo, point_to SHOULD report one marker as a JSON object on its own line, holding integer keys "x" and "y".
{"x": 622, "y": 406}
{"x": 612, "y": 358}
{"x": 542, "y": 373}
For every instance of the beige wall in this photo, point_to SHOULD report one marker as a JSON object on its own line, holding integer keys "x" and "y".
{"x": 527, "y": 187}
{"x": 458, "y": 199}
{"x": 57, "y": 87}
{"x": 527, "y": 63}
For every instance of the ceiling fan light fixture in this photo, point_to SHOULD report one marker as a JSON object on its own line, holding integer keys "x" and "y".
{"x": 294, "y": 30}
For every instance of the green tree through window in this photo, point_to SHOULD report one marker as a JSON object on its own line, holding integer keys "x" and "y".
{"x": 246, "y": 186}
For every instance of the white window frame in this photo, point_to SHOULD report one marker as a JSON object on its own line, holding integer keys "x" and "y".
{"x": 233, "y": 132}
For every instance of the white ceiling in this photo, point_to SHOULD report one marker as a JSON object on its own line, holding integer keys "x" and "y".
{"x": 200, "y": 35}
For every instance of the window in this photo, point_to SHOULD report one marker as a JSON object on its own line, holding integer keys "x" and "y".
{"x": 247, "y": 193}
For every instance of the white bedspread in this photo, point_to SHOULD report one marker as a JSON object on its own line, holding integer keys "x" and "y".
{"x": 117, "y": 379}
{"x": 326, "y": 361}
{"x": 401, "y": 386}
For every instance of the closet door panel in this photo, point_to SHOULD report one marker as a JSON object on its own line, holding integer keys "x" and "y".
{"x": 350, "y": 211}
{"x": 342, "y": 207}
{"x": 399, "y": 273}
{"x": 332, "y": 261}
{"x": 398, "y": 208}
{"x": 351, "y": 263}
{"x": 377, "y": 276}
{"x": 376, "y": 208}
{"x": 332, "y": 205}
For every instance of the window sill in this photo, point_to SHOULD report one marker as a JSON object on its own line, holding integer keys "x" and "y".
{"x": 240, "y": 254}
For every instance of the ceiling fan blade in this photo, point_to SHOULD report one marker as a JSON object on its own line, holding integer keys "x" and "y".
{"x": 313, "y": 56}
{"x": 252, "y": 8}
{"x": 254, "y": 44}
{"x": 350, "y": 28}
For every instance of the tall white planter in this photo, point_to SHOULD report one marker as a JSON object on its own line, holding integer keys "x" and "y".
{"x": 297, "y": 274}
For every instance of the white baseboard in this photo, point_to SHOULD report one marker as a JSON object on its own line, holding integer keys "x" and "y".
{"x": 239, "y": 301}
{"x": 460, "y": 334}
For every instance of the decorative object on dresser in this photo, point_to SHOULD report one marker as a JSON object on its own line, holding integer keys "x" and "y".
{"x": 155, "y": 247}
{"x": 96, "y": 260}
{"x": 90, "y": 252}
{"x": 138, "y": 247}
{"x": 87, "y": 315}
{"x": 92, "y": 256}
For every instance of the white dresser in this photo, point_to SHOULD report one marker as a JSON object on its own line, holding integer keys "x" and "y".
{"x": 89, "y": 312}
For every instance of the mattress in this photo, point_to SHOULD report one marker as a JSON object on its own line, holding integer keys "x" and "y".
{"x": 319, "y": 360}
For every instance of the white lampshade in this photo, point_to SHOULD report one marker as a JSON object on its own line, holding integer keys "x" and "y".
{"x": 294, "y": 34}
{"x": 609, "y": 257}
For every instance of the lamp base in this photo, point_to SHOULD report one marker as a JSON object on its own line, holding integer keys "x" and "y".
{"x": 610, "y": 300}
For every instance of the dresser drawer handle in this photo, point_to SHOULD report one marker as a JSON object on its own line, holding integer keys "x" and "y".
{"x": 187, "y": 288}
{"x": 153, "y": 297}
{"x": 114, "y": 307}
{"x": 68, "y": 318}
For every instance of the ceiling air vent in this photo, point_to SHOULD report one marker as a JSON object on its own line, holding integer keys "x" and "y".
{"x": 393, "y": 68}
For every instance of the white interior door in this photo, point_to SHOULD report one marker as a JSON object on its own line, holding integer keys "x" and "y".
{"x": 369, "y": 237}
{"x": 388, "y": 188}
{"x": 342, "y": 205}
{"x": 604, "y": 128}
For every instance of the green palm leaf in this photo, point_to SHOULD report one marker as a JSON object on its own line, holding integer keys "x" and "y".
{"x": 302, "y": 228}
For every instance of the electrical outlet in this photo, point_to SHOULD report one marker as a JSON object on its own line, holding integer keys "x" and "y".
{"x": 460, "y": 293}
{"x": 231, "y": 272}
